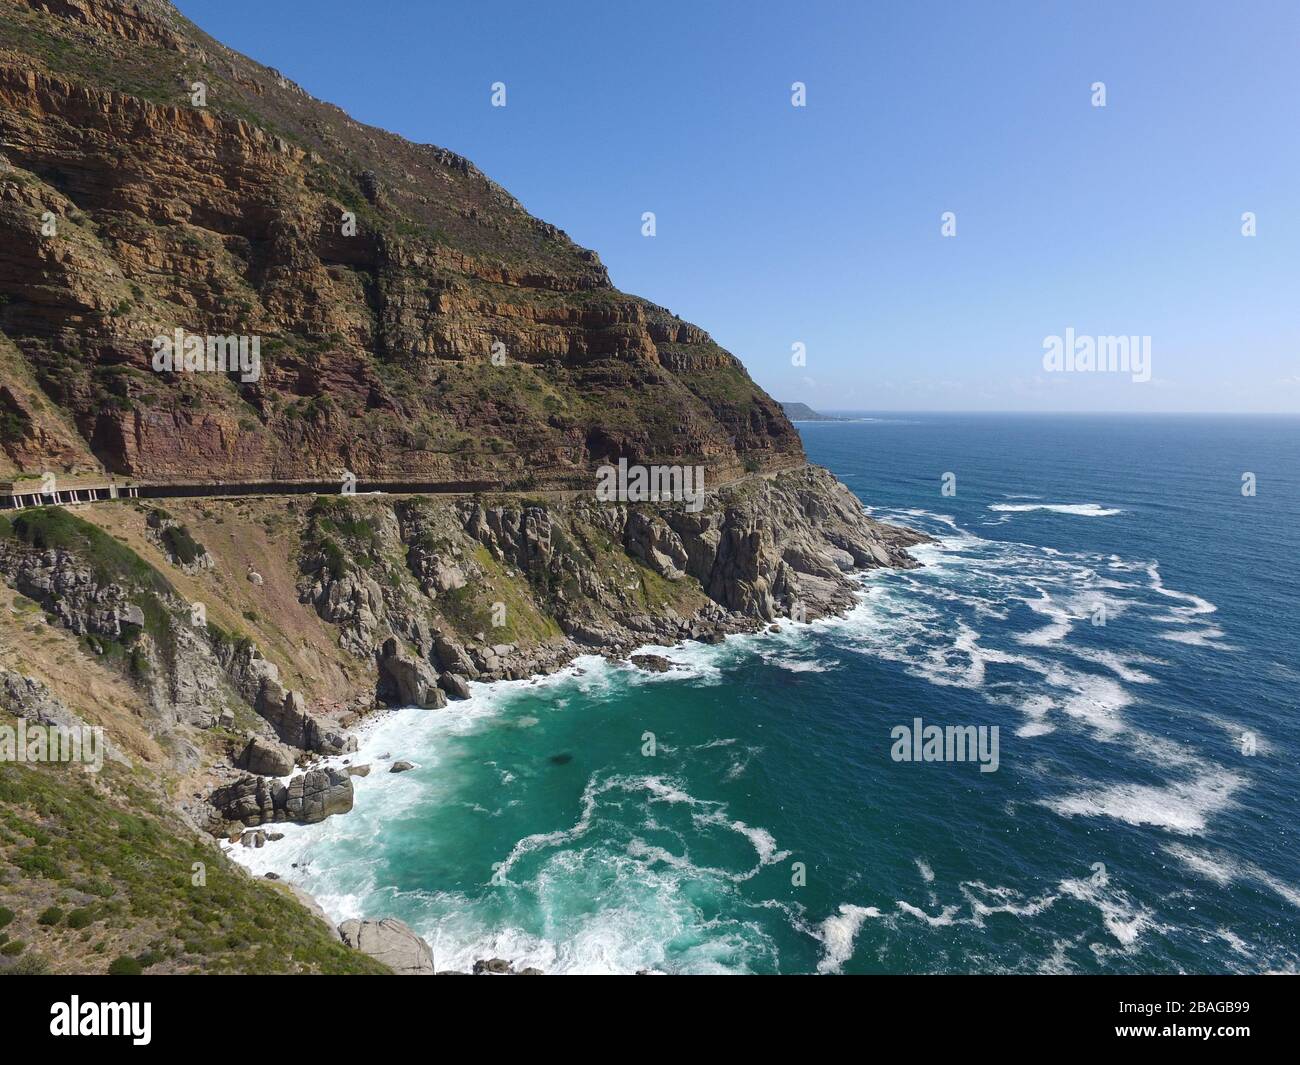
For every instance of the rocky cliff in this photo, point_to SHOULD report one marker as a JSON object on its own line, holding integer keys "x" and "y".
{"x": 380, "y": 277}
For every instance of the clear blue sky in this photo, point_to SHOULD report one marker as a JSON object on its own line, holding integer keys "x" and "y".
{"x": 822, "y": 225}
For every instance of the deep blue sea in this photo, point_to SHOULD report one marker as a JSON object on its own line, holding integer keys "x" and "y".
{"x": 1101, "y": 592}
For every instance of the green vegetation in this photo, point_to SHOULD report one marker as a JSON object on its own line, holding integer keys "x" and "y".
{"x": 54, "y": 527}
{"x": 166, "y": 897}
{"x": 181, "y": 545}
{"x": 343, "y": 536}
{"x": 111, "y": 562}
{"x": 15, "y": 425}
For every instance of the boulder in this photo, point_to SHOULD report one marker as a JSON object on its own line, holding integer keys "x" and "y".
{"x": 400, "y": 767}
{"x": 317, "y": 794}
{"x": 406, "y": 680}
{"x": 493, "y": 966}
{"x": 131, "y": 617}
{"x": 306, "y": 799}
{"x": 452, "y": 657}
{"x": 455, "y": 686}
{"x": 651, "y": 663}
{"x": 390, "y": 942}
{"x": 266, "y": 758}
{"x": 358, "y": 770}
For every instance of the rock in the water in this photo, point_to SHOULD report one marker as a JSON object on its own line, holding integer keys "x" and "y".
{"x": 651, "y": 663}
{"x": 358, "y": 770}
{"x": 317, "y": 794}
{"x": 390, "y": 942}
{"x": 400, "y": 767}
{"x": 494, "y": 966}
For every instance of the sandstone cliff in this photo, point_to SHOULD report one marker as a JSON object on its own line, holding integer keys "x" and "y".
{"x": 377, "y": 346}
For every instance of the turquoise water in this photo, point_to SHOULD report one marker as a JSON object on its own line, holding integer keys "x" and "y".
{"x": 1126, "y": 829}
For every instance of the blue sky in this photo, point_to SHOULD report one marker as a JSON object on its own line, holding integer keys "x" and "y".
{"x": 821, "y": 225}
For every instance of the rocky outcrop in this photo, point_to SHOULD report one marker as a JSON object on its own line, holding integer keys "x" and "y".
{"x": 287, "y": 713}
{"x": 502, "y": 967}
{"x": 67, "y": 586}
{"x": 375, "y": 344}
{"x": 651, "y": 663}
{"x": 407, "y": 681}
{"x": 307, "y": 798}
{"x": 455, "y": 687}
{"x": 391, "y": 942}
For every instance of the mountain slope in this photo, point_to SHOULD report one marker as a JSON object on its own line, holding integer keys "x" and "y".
{"x": 228, "y": 219}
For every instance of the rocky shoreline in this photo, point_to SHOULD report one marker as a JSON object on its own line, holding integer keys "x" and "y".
{"x": 408, "y": 585}
{"x": 407, "y": 681}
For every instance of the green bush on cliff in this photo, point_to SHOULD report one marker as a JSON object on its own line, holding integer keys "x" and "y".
{"x": 181, "y": 545}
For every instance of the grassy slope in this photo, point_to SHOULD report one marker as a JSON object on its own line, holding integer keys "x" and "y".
{"x": 94, "y": 870}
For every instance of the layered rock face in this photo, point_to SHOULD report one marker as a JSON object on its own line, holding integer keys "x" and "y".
{"x": 414, "y": 321}
{"x": 306, "y": 799}
{"x": 500, "y": 588}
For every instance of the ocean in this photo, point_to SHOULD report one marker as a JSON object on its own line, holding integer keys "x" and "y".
{"x": 1102, "y": 593}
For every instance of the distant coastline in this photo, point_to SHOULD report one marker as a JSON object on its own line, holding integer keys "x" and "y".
{"x": 801, "y": 412}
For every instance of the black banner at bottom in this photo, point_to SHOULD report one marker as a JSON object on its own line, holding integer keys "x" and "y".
{"x": 181, "y": 1013}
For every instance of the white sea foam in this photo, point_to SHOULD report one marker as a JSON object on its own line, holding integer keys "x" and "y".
{"x": 1180, "y": 807}
{"x": 1084, "y": 510}
{"x": 1061, "y": 622}
{"x": 1223, "y": 869}
{"x": 1122, "y": 917}
{"x": 839, "y": 934}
